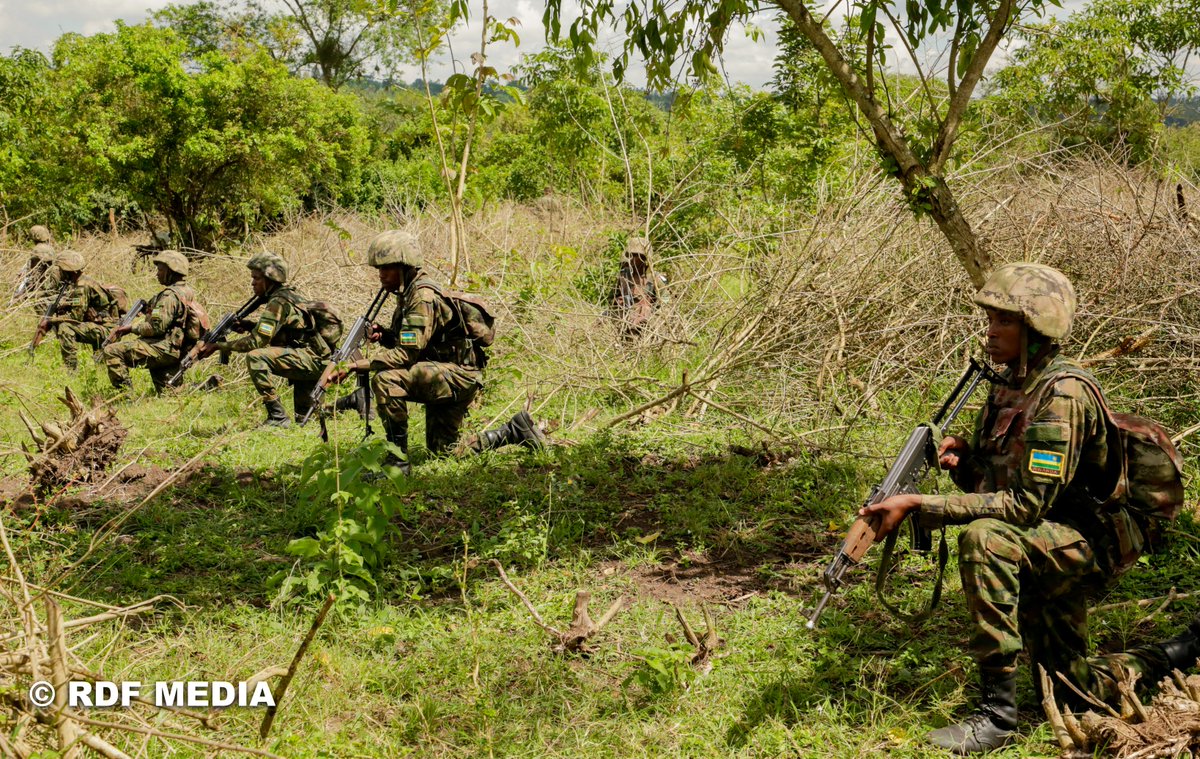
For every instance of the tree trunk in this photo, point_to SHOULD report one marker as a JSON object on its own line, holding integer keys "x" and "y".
{"x": 918, "y": 181}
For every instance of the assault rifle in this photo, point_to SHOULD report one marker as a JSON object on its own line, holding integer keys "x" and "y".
{"x": 214, "y": 334}
{"x": 915, "y": 460}
{"x": 349, "y": 349}
{"x": 138, "y": 306}
{"x": 44, "y": 325}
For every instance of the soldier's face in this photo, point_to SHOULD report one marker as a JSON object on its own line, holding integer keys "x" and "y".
{"x": 163, "y": 274}
{"x": 1004, "y": 336}
{"x": 258, "y": 282}
{"x": 391, "y": 277}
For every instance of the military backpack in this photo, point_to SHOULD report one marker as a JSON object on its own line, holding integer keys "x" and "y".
{"x": 196, "y": 321}
{"x": 321, "y": 321}
{"x": 1146, "y": 469}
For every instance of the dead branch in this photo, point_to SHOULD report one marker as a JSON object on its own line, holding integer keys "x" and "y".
{"x": 286, "y": 680}
{"x": 577, "y": 637}
{"x": 706, "y": 645}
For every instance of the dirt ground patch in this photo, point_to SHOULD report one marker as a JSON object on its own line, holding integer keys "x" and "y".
{"x": 694, "y": 578}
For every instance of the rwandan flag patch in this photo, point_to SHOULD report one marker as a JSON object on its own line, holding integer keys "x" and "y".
{"x": 408, "y": 338}
{"x": 267, "y": 329}
{"x": 1046, "y": 463}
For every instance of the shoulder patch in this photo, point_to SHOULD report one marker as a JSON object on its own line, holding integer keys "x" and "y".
{"x": 266, "y": 328}
{"x": 408, "y": 337}
{"x": 1046, "y": 463}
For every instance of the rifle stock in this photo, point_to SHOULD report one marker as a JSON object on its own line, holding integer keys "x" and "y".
{"x": 916, "y": 458}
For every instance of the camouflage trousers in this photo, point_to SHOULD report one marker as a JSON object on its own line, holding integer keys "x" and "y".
{"x": 446, "y": 390}
{"x": 297, "y": 365}
{"x": 71, "y": 334}
{"x": 160, "y": 358}
{"x": 1029, "y": 587}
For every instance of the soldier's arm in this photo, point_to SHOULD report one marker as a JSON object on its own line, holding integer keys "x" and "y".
{"x": 262, "y": 334}
{"x": 166, "y": 312}
{"x": 1065, "y": 418}
{"x": 417, "y": 327}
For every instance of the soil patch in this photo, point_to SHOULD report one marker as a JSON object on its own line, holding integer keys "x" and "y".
{"x": 694, "y": 578}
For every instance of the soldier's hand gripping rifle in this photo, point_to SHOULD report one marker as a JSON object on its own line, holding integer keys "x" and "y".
{"x": 915, "y": 460}
{"x": 350, "y": 348}
{"x": 134, "y": 311}
{"x": 44, "y": 325}
{"x": 214, "y": 334}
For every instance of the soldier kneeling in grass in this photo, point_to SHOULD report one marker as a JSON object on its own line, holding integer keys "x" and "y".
{"x": 283, "y": 342}
{"x": 1048, "y": 519}
{"x": 432, "y": 355}
{"x": 83, "y": 312}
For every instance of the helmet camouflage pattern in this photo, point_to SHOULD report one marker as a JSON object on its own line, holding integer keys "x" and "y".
{"x": 69, "y": 260}
{"x": 1041, "y": 294}
{"x": 270, "y": 266}
{"x": 39, "y": 233}
{"x": 395, "y": 246}
{"x": 43, "y": 253}
{"x": 638, "y": 245}
{"x": 173, "y": 260}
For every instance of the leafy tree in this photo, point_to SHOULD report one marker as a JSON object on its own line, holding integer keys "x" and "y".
{"x": 337, "y": 41}
{"x": 1107, "y": 76}
{"x": 23, "y": 85}
{"x": 915, "y": 145}
{"x": 219, "y": 149}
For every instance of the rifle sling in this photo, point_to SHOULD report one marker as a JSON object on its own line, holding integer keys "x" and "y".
{"x": 887, "y": 563}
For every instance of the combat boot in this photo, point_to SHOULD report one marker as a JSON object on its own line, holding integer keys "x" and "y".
{"x": 1183, "y": 650}
{"x": 302, "y": 399}
{"x": 520, "y": 430}
{"x": 993, "y": 726}
{"x": 353, "y": 402}
{"x": 397, "y": 434}
{"x": 276, "y": 416}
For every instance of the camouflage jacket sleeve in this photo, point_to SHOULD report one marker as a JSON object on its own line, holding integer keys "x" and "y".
{"x": 85, "y": 302}
{"x": 1066, "y": 418}
{"x": 414, "y": 325}
{"x": 166, "y": 313}
{"x": 276, "y": 319}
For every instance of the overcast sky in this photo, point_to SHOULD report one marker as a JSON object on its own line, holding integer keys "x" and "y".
{"x": 37, "y": 23}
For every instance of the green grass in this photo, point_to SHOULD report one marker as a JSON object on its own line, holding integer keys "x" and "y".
{"x": 444, "y": 661}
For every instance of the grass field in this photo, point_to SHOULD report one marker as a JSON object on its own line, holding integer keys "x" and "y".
{"x": 441, "y": 659}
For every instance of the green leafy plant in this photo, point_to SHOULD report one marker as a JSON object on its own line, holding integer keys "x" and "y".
{"x": 358, "y": 510}
{"x": 663, "y": 671}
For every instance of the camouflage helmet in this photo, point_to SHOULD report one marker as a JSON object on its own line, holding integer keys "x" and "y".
{"x": 69, "y": 260}
{"x": 1041, "y": 294}
{"x": 39, "y": 233}
{"x": 270, "y": 266}
{"x": 43, "y": 254}
{"x": 638, "y": 245}
{"x": 395, "y": 246}
{"x": 173, "y": 260}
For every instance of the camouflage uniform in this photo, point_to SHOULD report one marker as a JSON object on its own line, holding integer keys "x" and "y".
{"x": 160, "y": 332}
{"x": 281, "y": 343}
{"x": 42, "y": 276}
{"x": 1036, "y": 545}
{"x": 429, "y": 359}
{"x": 84, "y": 314}
{"x": 636, "y": 294}
{"x": 424, "y": 364}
